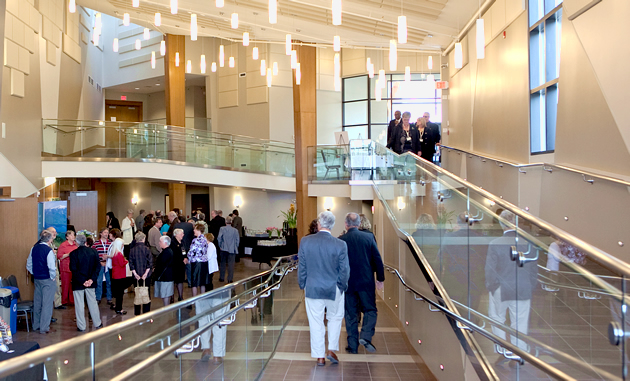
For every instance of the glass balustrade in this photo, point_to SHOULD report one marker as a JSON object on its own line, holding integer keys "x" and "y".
{"x": 98, "y": 139}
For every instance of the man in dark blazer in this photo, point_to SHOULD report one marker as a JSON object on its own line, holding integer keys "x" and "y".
{"x": 85, "y": 267}
{"x": 365, "y": 260}
{"x": 391, "y": 128}
{"x": 323, "y": 274}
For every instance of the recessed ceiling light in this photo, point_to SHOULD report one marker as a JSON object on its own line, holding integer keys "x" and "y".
{"x": 137, "y": 88}
{"x": 157, "y": 84}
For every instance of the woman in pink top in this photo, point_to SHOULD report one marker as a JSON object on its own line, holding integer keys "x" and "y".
{"x": 119, "y": 275}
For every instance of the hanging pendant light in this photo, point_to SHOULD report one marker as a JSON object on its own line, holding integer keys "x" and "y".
{"x": 138, "y": 44}
{"x": 337, "y": 67}
{"x": 135, "y": 3}
{"x": 275, "y": 68}
{"x": 402, "y": 29}
{"x": 174, "y": 7}
{"x": 245, "y": 38}
{"x": 269, "y": 77}
{"x": 115, "y": 45}
{"x": 393, "y": 55}
{"x": 221, "y": 55}
{"x": 153, "y": 60}
{"x": 294, "y": 59}
{"x": 459, "y": 56}
{"x": 126, "y": 19}
{"x": 371, "y": 70}
{"x": 231, "y": 62}
{"x": 381, "y": 78}
{"x": 337, "y": 43}
{"x": 337, "y": 83}
{"x": 219, "y": 3}
{"x": 213, "y": 67}
{"x": 298, "y": 74}
{"x": 378, "y": 91}
{"x": 368, "y": 61}
{"x": 158, "y": 19}
{"x": 147, "y": 34}
{"x": 193, "y": 27}
{"x": 287, "y": 45}
{"x": 336, "y": 12}
{"x": 72, "y": 6}
{"x": 162, "y": 48}
{"x": 273, "y": 11}
{"x": 202, "y": 64}
{"x": 481, "y": 40}
{"x": 263, "y": 68}
{"x": 98, "y": 24}
{"x": 189, "y": 66}
{"x": 234, "y": 21}
{"x": 255, "y": 53}
{"x": 95, "y": 38}
{"x": 430, "y": 63}
{"x": 407, "y": 74}
{"x": 177, "y": 59}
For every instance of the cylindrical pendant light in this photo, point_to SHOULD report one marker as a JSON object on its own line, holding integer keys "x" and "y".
{"x": 126, "y": 19}
{"x": 202, "y": 64}
{"x": 430, "y": 63}
{"x": 98, "y": 24}
{"x": 234, "y": 21}
{"x": 371, "y": 70}
{"x": 336, "y": 12}
{"x": 147, "y": 34}
{"x": 273, "y": 11}
{"x": 162, "y": 48}
{"x": 153, "y": 60}
{"x": 368, "y": 61}
{"x": 402, "y": 29}
{"x": 174, "y": 7}
{"x": 213, "y": 67}
{"x": 245, "y": 38}
{"x": 221, "y": 55}
{"x": 337, "y": 65}
{"x": 337, "y": 83}
{"x": 298, "y": 74}
{"x": 255, "y": 53}
{"x": 393, "y": 55}
{"x": 193, "y": 27}
{"x": 275, "y": 68}
{"x": 219, "y": 3}
{"x": 407, "y": 74}
{"x": 231, "y": 62}
{"x": 135, "y": 3}
{"x": 95, "y": 39}
{"x": 72, "y": 6}
{"x": 459, "y": 56}
{"x": 294, "y": 59}
{"x": 138, "y": 44}
{"x": 269, "y": 77}
{"x": 177, "y": 59}
{"x": 115, "y": 45}
{"x": 378, "y": 91}
{"x": 189, "y": 66}
{"x": 381, "y": 77}
{"x": 263, "y": 68}
{"x": 287, "y": 45}
{"x": 337, "y": 43}
{"x": 158, "y": 19}
{"x": 481, "y": 40}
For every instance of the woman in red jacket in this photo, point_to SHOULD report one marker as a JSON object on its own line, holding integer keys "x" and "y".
{"x": 119, "y": 274}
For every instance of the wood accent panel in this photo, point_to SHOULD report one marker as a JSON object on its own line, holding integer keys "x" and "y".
{"x": 175, "y": 92}
{"x": 5, "y": 192}
{"x": 18, "y": 237}
{"x": 305, "y": 125}
{"x": 101, "y": 188}
{"x": 83, "y": 210}
{"x": 177, "y": 196}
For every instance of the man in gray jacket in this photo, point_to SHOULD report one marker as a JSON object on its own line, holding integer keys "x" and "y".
{"x": 228, "y": 244}
{"x": 323, "y": 273}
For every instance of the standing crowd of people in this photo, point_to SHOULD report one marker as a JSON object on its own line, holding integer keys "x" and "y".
{"x": 420, "y": 138}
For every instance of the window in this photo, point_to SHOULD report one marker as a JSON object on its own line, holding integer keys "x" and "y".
{"x": 545, "y": 20}
{"x": 365, "y": 118}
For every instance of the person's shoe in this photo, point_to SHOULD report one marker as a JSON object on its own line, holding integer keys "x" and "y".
{"x": 53, "y": 320}
{"x": 112, "y": 307}
{"x": 332, "y": 357}
{"x": 218, "y": 360}
{"x": 221, "y": 280}
{"x": 110, "y": 302}
{"x": 121, "y": 312}
{"x": 368, "y": 345}
{"x": 351, "y": 351}
{"x": 206, "y": 354}
{"x": 61, "y": 307}
{"x": 80, "y": 330}
{"x": 99, "y": 327}
{"x": 98, "y": 302}
{"x": 321, "y": 362}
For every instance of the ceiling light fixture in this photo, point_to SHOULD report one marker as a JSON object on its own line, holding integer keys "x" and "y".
{"x": 371, "y": 70}
{"x": 430, "y": 63}
{"x": 234, "y": 21}
{"x": 115, "y": 45}
{"x": 287, "y": 45}
{"x": 174, "y": 7}
{"x": 72, "y": 6}
{"x": 162, "y": 48}
{"x": 337, "y": 67}
{"x": 147, "y": 33}
{"x": 459, "y": 56}
{"x": 336, "y": 12}
{"x": 337, "y": 43}
{"x": 402, "y": 29}
{"x": 481, "y": 40}
{"x": 153, "y": 60}
{"x": 177, "y": 59}
{"x": 275, "y": 68}
{"x": 245, "y": 38}
{"x": 298, "y": 74}
{"x": 193, "y": 27}
{"x": 378, "y": 91}
{"x": 135, "y": 3}
{"x": 407, "y": 74}
{"x": 219, "y": 3}
{"x": 273, "y": 11}
{"x": 269, "y": 77}
{"x": 189, "y": 66}
{"x": 368, "y": 61}
{"x": 158, "y": 19}
{"x": 213, "y": 67}
{"x": 381, "y": 78}
{"x": 98, "y": 24}
{"x": 138, "y": 44}
{"x": 221, "y": 55}
{"x": 255, "y": 53}
{"x": 231, "y": 62}
{"x": 202, "y": 64}
{"x": 95, "y": 39}
{"x": 393, "y": 55}
{"x": 294, "y": 59}
{"x": 126, "y": 19}
{"x": 263, "y": 67}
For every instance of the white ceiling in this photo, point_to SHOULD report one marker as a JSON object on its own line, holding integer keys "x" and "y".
{"x": 432, "y": 24}
{"x": 155, "y": 84}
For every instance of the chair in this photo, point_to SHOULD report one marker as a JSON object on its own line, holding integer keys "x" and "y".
{"x": 23, "y": 306}
{"x": 329, "y": 167}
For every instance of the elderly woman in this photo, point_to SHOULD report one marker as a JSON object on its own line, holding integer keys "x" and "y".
{"x": 198, "y": 257}
{"x": 179, "y": 261}
{"x": 119, "y": 274}
{"x": 406, "y": 137}
{"x": 140, "y": 264}
{"x": 428, "y": 139}
{"x": 164, "y": 271}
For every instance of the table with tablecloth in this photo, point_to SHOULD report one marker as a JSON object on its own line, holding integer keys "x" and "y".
{"x": 20, "y": 348}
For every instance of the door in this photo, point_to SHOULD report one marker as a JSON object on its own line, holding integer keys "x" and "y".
{"x": 201, "y": 202}
{"x": 119, "y": 111}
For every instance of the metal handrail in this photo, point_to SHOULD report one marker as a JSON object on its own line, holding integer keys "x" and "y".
{"x": 41, "y": 355}
{"x": 561, "y": 167}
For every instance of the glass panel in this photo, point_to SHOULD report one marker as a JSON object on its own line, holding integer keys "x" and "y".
{"x": 536, "y": 11}
{"x": 355, "y": 88}
{"x": 551, "y": 4}
{"x": 552, "y": 111}
{"x": 536, "y": 57}
{"x": 379, "y": 133}
{"x": 552, "y": 46}
{"x": 360, "y": 132}
{"x": 537, "y": 121}
{"x": 380, "y": 112}
{"x": 355, "y": 113}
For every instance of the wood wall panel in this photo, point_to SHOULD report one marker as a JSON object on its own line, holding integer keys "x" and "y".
{"x": 83, "y": 210}
{"x": 177, "y": 196}
{"x": 175, "y": 92}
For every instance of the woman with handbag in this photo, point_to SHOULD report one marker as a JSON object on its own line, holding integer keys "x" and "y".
{"x": 119, "y": 274}
{"x": 164, "y": 285}
{"x": 141, "y": 263}
{"x": 198, "y": 257}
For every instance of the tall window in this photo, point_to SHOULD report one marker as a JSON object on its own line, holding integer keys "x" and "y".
{"x": 545, "y": 17}
{"x": 365, "y": 118}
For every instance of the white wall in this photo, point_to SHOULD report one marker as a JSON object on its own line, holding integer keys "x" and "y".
{"x": 259, "y": 209}
{"x": 340, "y": 207}
{"x": 281, "y": 126}
{"x": 328, "y": 115}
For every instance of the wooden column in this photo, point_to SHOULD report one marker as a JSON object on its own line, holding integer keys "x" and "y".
{"x": 305, "y": 124}
{"x": 177, "y": 197}
{"x": 175, "y": 92}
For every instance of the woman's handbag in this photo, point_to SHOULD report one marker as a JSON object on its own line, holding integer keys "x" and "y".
{"x": 142, "y": 294}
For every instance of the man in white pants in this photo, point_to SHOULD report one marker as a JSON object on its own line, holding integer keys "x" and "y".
{"x": 85, "y": 267}
{"x": 219, "y": 333}
{"x": 323, "y": 273}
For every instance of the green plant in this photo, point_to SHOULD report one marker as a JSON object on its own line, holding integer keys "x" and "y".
{"x": 290, "y": 217}
{"x": 445, "y": 217}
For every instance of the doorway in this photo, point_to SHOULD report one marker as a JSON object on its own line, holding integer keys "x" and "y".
{"x": 201, "y": 202}
{"x": 119, "y": 111}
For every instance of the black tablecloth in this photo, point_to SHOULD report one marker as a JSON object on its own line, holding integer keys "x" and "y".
{"x": 264, "y": 254}
{"x": 20, "y": 348}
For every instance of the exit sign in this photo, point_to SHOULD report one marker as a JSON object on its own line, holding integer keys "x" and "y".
{"x": 441, "y": 85}
{"x": 123, "y": 97}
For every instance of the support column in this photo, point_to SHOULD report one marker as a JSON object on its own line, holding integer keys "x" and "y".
{"x": 305, "y": 124}
{"x": 177, "y": 197}
{"x": 175, "y": 92}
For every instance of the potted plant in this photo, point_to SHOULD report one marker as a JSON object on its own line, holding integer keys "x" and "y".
{"x": 290, "y": 220}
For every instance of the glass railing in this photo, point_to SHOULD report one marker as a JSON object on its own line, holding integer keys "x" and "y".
{"x": 126, "y": 140}
{"x": 539, "y": 290}
{"x": 191, "y": 122}
{"x": 242, "y": 322}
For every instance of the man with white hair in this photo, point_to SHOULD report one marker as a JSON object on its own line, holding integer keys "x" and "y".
{"x": 323, "y": 274}
{"x": 41, "y": 263}
{"x": 127, "y": 226}
{"x": 85, "y": 268}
